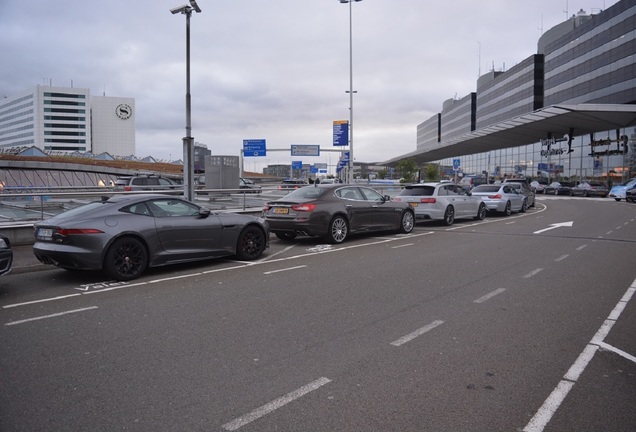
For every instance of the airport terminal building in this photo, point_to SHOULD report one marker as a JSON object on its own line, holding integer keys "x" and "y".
{"x": 569, "y": 110}
{"x": 67, "y": 120}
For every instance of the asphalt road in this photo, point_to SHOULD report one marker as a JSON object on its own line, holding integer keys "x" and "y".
{"x": 523, "y": 323}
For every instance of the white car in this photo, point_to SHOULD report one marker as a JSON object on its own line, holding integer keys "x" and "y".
{"x": 502, "y": 198}
{"x": 442, "y": 201}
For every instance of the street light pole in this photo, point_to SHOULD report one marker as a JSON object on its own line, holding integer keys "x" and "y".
{"x": 188, "y": 140}
{"x": 351, "y": 92}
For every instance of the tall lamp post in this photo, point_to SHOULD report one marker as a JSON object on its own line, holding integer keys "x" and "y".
{"x": 351, "y": 92}
{"x": 188, "y": 140}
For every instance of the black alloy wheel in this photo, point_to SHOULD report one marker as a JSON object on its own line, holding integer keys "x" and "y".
{"x": 251, "y": 243}
{"x": 481, "y": 212}
{"x": 126, "y": 259}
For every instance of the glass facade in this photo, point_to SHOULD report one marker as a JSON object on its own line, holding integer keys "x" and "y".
{"x": 594, "y": 62}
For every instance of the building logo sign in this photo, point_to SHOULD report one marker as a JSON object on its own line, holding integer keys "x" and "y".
{"x": 123, "y": 111}
{"x": 547, "y": 146}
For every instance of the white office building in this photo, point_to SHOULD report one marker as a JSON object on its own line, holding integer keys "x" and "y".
{"x": 62, "y": 119}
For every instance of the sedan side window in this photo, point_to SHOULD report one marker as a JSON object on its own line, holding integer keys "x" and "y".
{"x": 372, "y": 195}
{"x": 351, "y": 193}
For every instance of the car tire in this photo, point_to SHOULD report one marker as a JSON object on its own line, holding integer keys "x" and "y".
{"x": 285, "y": 235}
{"x": 556, "y": 191}
{"x": 449, "y": 216}
{"x": 617, "y": 199}
{"x": 126, "y": 259}
{"x": 407, "y": 222}
{"x": 508, "y": 210}
{"x": 524, "y": 206}
{"x": 481, "y": 212}
{"x": 338, "y": 230}
{"x": 585, "y": 194}
{"x": 251, "y": 243}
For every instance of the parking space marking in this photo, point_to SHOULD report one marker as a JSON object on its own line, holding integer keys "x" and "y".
{"x": 275, "y": 404}
{"x": 609, "y": 232}
{"x": 224, "y": 269}
{"x": 39, "y": 301}
{"x": 419, "y": 332}
{"x": 581, "y": 247}
{"x": 49, "y": 316}
{"x": 490, "y": 295}
{"x": 284, "y": 269}
{"x": 558, "y": 395}
{"x": 401, "y": 246}
{"x": 532, "y": 273}
{"x": 562, "y": 257}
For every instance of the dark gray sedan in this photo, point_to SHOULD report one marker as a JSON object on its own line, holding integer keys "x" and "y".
{"x": 125, "y": 234}
{"x": 335, "y": 211}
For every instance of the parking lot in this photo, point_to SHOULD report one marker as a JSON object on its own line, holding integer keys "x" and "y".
{"x": 511, "y": 323}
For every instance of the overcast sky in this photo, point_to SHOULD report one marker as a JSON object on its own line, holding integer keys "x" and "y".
{"x": 273, "y": 69}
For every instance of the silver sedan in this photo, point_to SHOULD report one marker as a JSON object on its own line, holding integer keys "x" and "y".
{"x": 502, "y": 198}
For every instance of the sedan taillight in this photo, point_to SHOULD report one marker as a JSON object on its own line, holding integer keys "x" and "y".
{"x": 303, "y": 207}
{"x": 428, "y": 200}
{"x": 498, "y": 196}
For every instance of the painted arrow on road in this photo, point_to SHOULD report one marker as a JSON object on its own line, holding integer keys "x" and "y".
{"x": 553, "y": 226}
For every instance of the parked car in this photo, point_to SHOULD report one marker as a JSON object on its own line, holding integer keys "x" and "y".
{"x": 618, "y": 192}
{"x": 125, "y": 234}
{"x": 502, "y": 198}
{"x": 470, "y": 181}
{"x": 6, "y": 255}
{"x": 558, "y": 188}
{"x": 442, "y": 201}
{"x": 630, "y": 194}
{"x": 292, "y": 184}
{"x": 523, "y": 189}
{"x": 336, "y": 211}
{"x": 590, "y": 188}
{"x": 145, "y": 182}
{"x": 538, "y": 186}
{"x": 248, "y": 185}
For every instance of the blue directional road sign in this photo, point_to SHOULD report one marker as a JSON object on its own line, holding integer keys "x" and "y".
{"x": 341, "y": 132}
{"x": 297, "y": 165}
{"x": 254, "y": 147}
{"x": 456, "y": 164}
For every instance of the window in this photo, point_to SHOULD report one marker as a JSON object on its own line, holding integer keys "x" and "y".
{"x": 170, "y": 207}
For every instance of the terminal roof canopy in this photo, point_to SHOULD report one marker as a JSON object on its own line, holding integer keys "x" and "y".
{"x": 553, "y": 121}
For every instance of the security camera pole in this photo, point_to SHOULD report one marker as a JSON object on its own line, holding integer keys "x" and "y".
{"x": 188, "y": 140}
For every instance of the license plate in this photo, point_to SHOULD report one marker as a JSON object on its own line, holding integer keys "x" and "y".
{"x": 281, "y": 210}
{"x": 413, "y": 204}
{"x": 45, "y": 233}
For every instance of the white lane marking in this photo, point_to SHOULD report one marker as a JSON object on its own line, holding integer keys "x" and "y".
{"x": 39, "y": 301}
{"x": 269, "y": 257}
{"x": 419, "y": 332}
{"x": 553, "y": 402}
{"x": 274, "y": 405}
{"x": 562, "y": 257}
{"x": 608, "y": 347}
{"x": 401, "y": 246}
{"x": 608, "y": 233}
{"x": 284, "y": 269}
{"x": 510, "y": 223}
{"x": 383, "y": 240}
{"x": 49, "y": 316}
{"x": 532, "y": 273}
{"x": 490, "y": 295}
{"x": 581, "y": 247}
